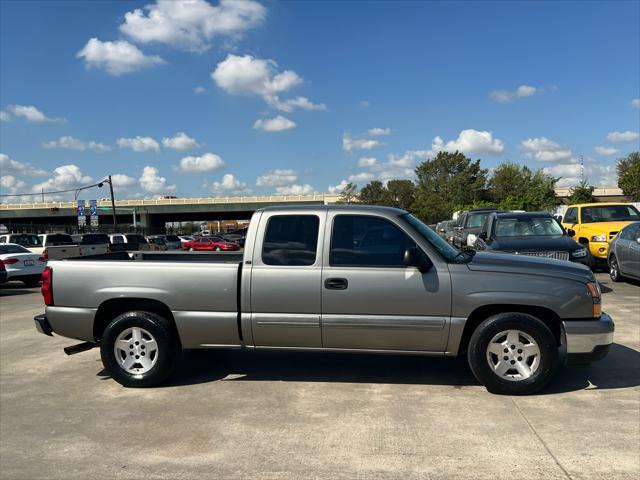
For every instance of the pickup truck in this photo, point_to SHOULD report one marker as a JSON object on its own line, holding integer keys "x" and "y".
{"x": 307, "y": 281}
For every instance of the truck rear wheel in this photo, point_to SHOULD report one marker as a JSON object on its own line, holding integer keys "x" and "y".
{"x": 138, "y": 349}
{"x": 513, "y": 354}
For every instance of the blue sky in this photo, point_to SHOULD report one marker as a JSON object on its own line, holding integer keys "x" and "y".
{"x": 300, "y": 97}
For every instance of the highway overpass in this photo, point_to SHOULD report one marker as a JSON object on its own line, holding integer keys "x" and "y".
{"x": 152, "y": 214}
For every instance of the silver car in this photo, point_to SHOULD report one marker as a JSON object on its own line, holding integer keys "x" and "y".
{"x": 624, "y": 254}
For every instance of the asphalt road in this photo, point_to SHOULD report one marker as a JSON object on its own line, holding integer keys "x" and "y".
{"x": 306, "y": 415}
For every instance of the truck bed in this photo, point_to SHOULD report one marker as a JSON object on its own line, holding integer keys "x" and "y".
{"x": 191, "y": 257}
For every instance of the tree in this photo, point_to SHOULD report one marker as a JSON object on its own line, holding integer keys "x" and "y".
{"x": 374, "y": 193}
{"x": 349, "y": 193}
{"x": 517, "y": 187}
{"x": 629, "y": 175}
{"x": 401, "y": 193}
{"x": 446, "y": 183}
{"x": 582, "y": 193}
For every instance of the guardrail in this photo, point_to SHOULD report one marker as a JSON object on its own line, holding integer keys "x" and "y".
{"x": 178, "y": 201}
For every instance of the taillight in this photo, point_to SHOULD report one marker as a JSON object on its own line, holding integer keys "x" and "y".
{"x": 10, "y": 261}
{"x": 46, "y": 289}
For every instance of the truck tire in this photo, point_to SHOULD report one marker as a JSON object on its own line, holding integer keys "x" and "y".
{"x": 32, "y": 281}
{"x": 139, "y": 349}
{"x": 513, "y": 354}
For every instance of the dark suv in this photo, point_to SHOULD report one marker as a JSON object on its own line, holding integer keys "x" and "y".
{"x": 470, "y": 225}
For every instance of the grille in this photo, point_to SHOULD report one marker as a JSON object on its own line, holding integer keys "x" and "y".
{"x": 556, "y": 255}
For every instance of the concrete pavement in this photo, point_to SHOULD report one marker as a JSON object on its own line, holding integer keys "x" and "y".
{"x": 310, "y": 415}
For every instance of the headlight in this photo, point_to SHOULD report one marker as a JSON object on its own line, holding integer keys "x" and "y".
{"x": 471, "y": 240}
{"x": 599, "y": 238}
{"x": 579, "y": 253}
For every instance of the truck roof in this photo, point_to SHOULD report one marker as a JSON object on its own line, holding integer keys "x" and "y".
{"x": 347, "y": 208}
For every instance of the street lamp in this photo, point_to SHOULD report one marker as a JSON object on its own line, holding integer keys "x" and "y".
{"x": 113, "y": 202}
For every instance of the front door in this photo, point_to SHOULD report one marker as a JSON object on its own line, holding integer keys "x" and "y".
{"x": 370, "y": 300}
{"x": 285, "y": 281}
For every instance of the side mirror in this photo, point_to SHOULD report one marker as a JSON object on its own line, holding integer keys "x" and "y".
{"x": 638, "y": 239}
{"x": 571, "y": 232}
{"x": 414, "y": 257}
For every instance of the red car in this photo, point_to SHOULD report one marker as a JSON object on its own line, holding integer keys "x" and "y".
{"x": 210, "y": 243}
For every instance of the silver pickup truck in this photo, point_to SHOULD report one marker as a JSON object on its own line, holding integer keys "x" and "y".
{"x": 332, "y": 278}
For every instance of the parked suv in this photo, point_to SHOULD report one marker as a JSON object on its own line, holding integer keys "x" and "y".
{"x": 535, "y": 234}
{"x": 470, "y": 225}
{"x": 596, "y": 224}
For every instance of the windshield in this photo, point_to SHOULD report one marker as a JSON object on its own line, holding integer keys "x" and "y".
{"x": 26, "y": 240}
{"x": 12, "y": 249}
{"x": 446, "y": 250}
{"x": 476, "y": 220}
{"x": 609, "y": 213}
{"x": 528, "y": 227}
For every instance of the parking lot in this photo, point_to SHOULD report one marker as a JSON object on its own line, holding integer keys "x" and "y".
{"x": 232, "y": 414}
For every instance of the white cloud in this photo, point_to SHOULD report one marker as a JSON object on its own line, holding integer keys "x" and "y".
{"x": 606, "y": 150}
{"x": 305, "y": 189}
{"x": 277, "y": 178}
{"x": 570, "y": 173}
{"x": 10, "y": 184}
{"x": 122, "y": 181}
{"x": 276, "y": 124}
{"x": 635, "y": 103}
{"x": 367, "y": 162}
{"x": 230, "y": 185}
{"x": 247, "y": 75}
{"x": 64, "y": 177}
{"x": 362, "y": 177}
{"x": 180, "y": 141}
{"x": 117, "y": 58}
{"x": 469, "y": 141}
{"x": 31, "y": 114}
{"x": 199, "y": 89}
{"x": 364, "y": 104}
{"x": 152, "y": 182}
{"x": 544, "y": 150}
{"x": 291, "y": 104}
{"x": 349, "y": 143}
{"x": 337, "y": 189}
{"x": 71, "y": 143}
{"x": 627, "y": 136}
{"x": 505, "y": 96}
{"x": 11, "y": 166}
{"x": 207, "y": 162}
{"x": 139, "y": 144}
{"x": 191, "y": 24}
{"x": 378, "y": 132}
{"x": 4, "y": 116}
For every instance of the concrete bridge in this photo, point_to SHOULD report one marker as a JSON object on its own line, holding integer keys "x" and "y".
{"x": 152, "y": 214}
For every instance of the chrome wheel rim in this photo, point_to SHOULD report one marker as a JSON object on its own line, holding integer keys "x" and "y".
{"x": 513, "y": 355}
{"x": 614, "y": 268}
{"x": 136, "y": 350}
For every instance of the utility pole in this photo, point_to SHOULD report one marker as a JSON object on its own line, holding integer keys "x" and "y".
{"x": 113, "y": 206}
{"x": 581, "y": 169}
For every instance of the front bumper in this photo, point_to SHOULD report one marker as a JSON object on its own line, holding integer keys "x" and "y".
{"x": 588, "y": 341}
{"x": 599, "y": 250}
{"x": 42, "y": 324}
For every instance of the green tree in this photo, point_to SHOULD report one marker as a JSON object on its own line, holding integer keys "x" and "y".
{"x": 629, "y": 175}
{"x": 582, "y": 193}
{"x": 401, "y": 193}
{"x": 349, "y": 193}
{"x": 374, "y": 193}
{"x": 447, "y": 182}
{"x": 517, "y": 187}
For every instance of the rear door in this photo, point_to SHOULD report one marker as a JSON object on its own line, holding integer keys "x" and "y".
{"x": 370, "y": 300}
{"x": 285, "y": 280}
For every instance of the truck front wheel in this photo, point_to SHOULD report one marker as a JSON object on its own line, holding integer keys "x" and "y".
{"x": 138, "y": 349}
{"x": 513, "y": 354}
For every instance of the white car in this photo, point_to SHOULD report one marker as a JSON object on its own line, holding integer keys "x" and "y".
{"x": 21, "y": 264}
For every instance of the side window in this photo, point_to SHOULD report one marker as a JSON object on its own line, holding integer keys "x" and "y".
{"x": 571, "y": 216}
{"x": 291, "y": 240}
{"x": 630, "y": 233}
{"x": 117, "y": 239}
{"x": 365, "y": 241}
{"x": 3, "y": 239}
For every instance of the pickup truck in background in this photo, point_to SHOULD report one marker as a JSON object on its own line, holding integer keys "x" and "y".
{"x": 333, "y": 278}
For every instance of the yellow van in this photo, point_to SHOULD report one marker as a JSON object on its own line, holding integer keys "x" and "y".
{"x": 595, "y": 224}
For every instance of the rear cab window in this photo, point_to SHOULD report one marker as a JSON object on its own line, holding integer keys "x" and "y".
{"x": 57, "y": 239}
{"x": 26, "y": 240}
{"x": 291, "y": 240}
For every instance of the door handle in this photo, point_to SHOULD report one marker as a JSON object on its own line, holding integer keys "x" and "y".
{"x": 336, "y": 284}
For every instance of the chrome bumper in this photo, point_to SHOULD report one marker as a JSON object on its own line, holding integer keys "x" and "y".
{"x": 588, "y": 340}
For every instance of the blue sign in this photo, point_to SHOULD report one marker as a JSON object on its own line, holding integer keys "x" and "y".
{"x": 81, "y": 208}
{"x": 93, "y": 208}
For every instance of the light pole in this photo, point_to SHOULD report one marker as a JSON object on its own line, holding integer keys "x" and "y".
{"x": 113, "y": 202}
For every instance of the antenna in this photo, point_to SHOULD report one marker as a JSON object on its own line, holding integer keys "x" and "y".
{"x": 581, "y": 169}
